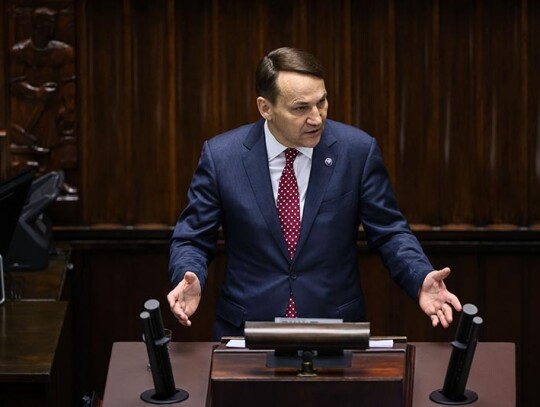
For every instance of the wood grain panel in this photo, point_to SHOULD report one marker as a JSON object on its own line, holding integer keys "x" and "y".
{"x": 530, "y": 303}
{"x": 498, "y": 285}
{"x": 504, "y": 319}
{"x": 416, "y": 90}
{"x": 236, "y": 62}
{"x": 532, "y": 42}
{"x": 505, "y": 152}
{"x": 150, "y": 84}
{"x": 275, "y": 24}
{"x": 373, "y": 74}
{"x": 503, "y": 141}
{"x": 3, "y": 93}
{"x": 106, "y": 137}
{"x": 197, "y": 104}
{"x": 458, "y": 150}
{"x": 447, "y": 87}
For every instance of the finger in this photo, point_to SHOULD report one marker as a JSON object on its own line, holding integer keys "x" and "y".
{"x": 442, "y": 318}
{"x": 454, "y": 301}
{"x": 434, "y": 320}
{"x": 171, "y": 299}
{"x": 447, "y": 310}
{"x": 178, "y": 311}
{"x": 185, "y": 322}
{"x": 182, "y": 317}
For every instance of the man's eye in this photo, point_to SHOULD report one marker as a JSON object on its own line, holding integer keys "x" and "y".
{"x": 300, "y": 109}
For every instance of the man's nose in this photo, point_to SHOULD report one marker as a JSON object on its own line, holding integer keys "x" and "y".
{"x": 315, "y": 117}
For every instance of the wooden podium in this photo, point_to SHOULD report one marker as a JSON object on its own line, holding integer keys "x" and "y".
{"x": 493, "y": 374}
{"x": 382, "y": 377}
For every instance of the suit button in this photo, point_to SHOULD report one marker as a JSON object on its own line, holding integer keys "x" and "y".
{"x": 293, "y": 276}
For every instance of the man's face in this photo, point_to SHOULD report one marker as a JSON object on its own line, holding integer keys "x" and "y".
{"x": 298, "y": 115}
{"x": 43, "y": 27}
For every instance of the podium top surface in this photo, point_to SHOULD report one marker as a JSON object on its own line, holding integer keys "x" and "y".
{"x": 492, "y": 375}
{"x": 128, "y": 375}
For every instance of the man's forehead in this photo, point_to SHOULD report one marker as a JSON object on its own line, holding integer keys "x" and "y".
{"x": 295, "y": 87}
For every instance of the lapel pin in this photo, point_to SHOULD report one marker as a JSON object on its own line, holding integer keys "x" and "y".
{"x": 328, "y": 162}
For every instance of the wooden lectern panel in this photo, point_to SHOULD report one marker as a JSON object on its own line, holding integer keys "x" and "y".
{"x": 375, "y": 377}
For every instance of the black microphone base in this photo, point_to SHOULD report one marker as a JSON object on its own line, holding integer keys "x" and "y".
{"x": 178, "y": 396}
{"x": 468, "y": 397}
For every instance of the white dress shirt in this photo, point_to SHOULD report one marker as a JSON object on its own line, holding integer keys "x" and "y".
{"x": 276, "y": 163}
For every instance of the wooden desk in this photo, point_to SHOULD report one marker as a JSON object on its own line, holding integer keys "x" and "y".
{"x": 35, "y": 342}
{"x": 29, "y": 336}
{"x": 46, "y": 284}
{"x": 492, "y": 375}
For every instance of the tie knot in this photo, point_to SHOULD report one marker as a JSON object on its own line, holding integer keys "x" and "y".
{"x": 290, "y": 155}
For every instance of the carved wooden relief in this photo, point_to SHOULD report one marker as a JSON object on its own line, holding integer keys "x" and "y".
{"x": 42, "y": 130}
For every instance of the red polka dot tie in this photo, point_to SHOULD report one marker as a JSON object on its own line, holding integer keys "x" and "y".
{"x": 288, "y": 205}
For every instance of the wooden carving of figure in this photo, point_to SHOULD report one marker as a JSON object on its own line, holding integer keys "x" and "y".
{"x": 42, "y": 131}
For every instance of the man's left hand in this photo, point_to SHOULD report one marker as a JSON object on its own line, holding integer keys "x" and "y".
{"x": 435, "y": 299}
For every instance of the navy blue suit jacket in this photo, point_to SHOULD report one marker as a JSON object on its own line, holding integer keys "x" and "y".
{"x": 348, "y": 186}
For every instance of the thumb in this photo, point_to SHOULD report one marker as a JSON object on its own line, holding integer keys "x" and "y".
{"x": 440, "y": 274}
{"x": 190, "y": 277}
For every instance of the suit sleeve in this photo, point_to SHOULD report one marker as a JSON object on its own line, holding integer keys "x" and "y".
{"x": 387, "y": 230}
{"x": 193, "y": 242}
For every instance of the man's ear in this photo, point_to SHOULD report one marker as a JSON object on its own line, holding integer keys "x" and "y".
{"x": 265, "y": 108}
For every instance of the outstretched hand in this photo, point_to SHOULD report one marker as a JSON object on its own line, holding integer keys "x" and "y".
{"x": 185, "y": 298}
{"x": 435, "y": 299}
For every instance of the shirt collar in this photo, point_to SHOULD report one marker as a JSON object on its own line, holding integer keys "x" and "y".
{"x": 275, "y": 148}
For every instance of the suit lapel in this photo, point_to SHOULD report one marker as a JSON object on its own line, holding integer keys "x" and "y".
{"x": 255, "y": 160}
{"x": 322, "y": 167}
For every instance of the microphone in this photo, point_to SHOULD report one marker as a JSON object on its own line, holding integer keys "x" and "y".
{"x": 459, "y": 365}
{"x": 164, "y": 391}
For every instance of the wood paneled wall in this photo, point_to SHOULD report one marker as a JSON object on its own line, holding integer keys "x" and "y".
{"x": 3, "y": 95}
{"x": 449, "y": 88}
{"x": 445, "y": 86}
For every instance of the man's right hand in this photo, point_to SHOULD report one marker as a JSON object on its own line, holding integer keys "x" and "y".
{"x": 185, "y": 298}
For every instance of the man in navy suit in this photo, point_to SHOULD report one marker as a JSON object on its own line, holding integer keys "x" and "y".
{"x": 341, "y": 183}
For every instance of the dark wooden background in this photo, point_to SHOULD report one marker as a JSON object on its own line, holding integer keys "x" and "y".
{"x": 450, "y": 89}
